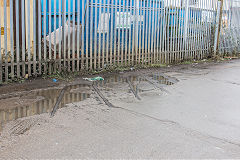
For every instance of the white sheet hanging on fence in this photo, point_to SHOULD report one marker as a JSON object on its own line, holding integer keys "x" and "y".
{"x": 103, "y": 26}
{"x": 69, "y": 27}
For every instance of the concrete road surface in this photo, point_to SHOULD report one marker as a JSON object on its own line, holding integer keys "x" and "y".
{"x": 184, "y": 111}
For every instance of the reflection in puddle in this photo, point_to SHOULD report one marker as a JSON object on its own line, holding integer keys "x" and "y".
{"x": 116, "y": 79}
{"x": 162, "y": 79}
{"x": 109, "y": 81}
{"x": 45, "y": 104}
{"x": 137, "y": 81}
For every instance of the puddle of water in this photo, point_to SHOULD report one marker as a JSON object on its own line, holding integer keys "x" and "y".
{"x": 45, "y": 103}
{"x": 115, "y": 79}
{"x": 136, "y": 82}
{"x": 165, "y": 80}
{"x": 110, "y": 81}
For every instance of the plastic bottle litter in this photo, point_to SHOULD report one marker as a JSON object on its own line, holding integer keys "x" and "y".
{"x": 94, "y": 79}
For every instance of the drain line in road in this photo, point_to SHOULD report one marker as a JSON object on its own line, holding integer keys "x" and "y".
{"x": 106, "y": 101}
{"x": 60, "y": 97}
{"x": 155, "y": 84}
{"x": 169, "y": 79}
{"x": 132, "y": 89}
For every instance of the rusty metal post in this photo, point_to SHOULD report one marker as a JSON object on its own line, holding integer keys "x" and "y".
{"x": 218, "y": 27}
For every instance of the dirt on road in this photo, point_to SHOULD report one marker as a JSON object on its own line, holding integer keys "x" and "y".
{"x": 181, "y": 111}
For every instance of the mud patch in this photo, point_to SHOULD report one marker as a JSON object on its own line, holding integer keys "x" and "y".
{"x": 41, "y": 101}
{"x": 113, "y": 87}
{"x": 22, "y": 126}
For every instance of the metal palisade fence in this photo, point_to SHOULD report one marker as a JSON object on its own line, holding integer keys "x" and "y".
{"x": 47, "y": 36}
{"x": 230, "y": 28}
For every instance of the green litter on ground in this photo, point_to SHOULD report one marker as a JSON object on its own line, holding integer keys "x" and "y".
{"x": 94, "y": 79}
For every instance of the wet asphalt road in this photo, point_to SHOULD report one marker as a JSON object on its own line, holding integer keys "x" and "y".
{"x": 195, "y": 114}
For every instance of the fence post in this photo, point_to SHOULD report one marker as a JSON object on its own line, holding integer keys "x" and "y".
{"x": 186, "y": 20}
{"x": 218, "y": 27}
{"x": 136, "y": 19}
